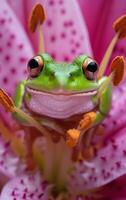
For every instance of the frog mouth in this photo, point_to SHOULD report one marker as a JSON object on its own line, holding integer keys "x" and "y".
{"x": 61, "y": 92}
{"x": 59, "y": 105}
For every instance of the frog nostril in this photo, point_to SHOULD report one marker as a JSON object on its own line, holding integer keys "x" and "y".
{"x": 70, "y": 75}
{"x": 72, "y": 78}
{"x": 51, "y": 77}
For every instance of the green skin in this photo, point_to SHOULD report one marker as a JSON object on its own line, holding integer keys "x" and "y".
{"x": 69, "y": 77}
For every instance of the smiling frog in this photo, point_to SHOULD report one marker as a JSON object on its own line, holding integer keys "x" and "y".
{"x": 68, "y": 98}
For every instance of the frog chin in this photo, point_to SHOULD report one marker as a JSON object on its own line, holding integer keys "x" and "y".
{"x": 59, "y": 105}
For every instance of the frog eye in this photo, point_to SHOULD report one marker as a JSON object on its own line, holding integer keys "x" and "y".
{"x": 35, "y": 66}
{"x": 90, "y": 68}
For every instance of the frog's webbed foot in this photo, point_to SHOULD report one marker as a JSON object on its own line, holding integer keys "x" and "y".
{"x": 87, "y": 121}
{"x": 73, "y": 136}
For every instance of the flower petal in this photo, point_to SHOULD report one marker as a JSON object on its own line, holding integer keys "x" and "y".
{"x": 10, "y": 165}
{"x": 65, "y": 32}
{"x": 18, "y": 8}
{"x": 15, "y": 50}
{"x": 97, "y": 21}
{"x": 113, "y": 153}
{"x": 26, "y": 186}
{"x": 116, "y": 119}
{"x": 108, "y": 164}
{"x": 115, "y": 190}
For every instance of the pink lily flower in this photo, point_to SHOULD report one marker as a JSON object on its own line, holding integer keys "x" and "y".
{"x": 101, "y": 177}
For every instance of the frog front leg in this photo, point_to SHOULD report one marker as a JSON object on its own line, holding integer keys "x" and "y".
{"x": 92, "y": 118}
{"x": 19, "y": 94}
{"x": 18, "y": 99}
{"x": 104, "y": 105}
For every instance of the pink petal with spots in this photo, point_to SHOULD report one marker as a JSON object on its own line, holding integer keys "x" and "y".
{"x": 108, "y": 164}
{"x": 19, "y": 10}
{"x": 100, "y": 17}
{"x": 65, "y": 32}
{"x": 116, "y": 119}
{"x": 10, "y": 164}
{"x": 119, "y": 198}
{"x": 26, "y": 186}
{"x": 115, "y": 190}
{"x": 113, "y": 124}
{"x": 15, "y": 50}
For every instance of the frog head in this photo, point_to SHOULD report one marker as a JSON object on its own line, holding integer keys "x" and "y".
{"x": 56, "y": 88}
{"x": 47, "y": 75}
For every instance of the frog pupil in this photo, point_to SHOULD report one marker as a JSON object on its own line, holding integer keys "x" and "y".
{"x": 33, "y": 63}
{"x": 92, "y": 67}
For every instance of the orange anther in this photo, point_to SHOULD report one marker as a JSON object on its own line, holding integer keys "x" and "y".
{"x": 6, "y": 101}
{"x": 37, "y": 17}
{"x": 87, "y": 120}
{"x": 117, "y": 66}
{"x": 72, "y": 137}
{"x": 120, "y": 26}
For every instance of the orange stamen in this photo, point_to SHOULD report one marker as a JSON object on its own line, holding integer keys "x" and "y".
{"x": 37, "y": 17}
{"x": 120, "y": 26}
{"x": 6, "y": 101}
{"x": 72, "y": 137}
{"x": 117, "y": 66}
